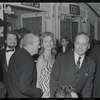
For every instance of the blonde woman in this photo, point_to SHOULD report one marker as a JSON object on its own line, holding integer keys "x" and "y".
{"x": 45, "y": 63}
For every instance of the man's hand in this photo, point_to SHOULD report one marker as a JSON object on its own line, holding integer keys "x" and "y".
{"x": 74, "y": 95}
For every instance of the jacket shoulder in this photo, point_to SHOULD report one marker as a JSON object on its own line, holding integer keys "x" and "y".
{"x": 91, "y": 62}
{"x": 65, "y": 54}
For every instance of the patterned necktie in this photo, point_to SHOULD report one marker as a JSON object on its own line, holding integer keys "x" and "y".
{"x": 78, "y": 62}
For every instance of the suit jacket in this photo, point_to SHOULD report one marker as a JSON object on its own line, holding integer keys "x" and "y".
{"x": 95, "y": 55}
{"x": 2, "y": 42}
{"x": 22, "y": 76}
{"x": 63, "y": 73}
{"x": 1, "y": 69}
{"x": 4, "y": 67}
{"x": 68, "y": 48}
{"x": 60, "y": 49}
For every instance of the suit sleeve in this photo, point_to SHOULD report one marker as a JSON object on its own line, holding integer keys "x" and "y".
{"x": 28, "y": 82}
{"x": 55, "y": 74}
{"x": 1, "y": 66}
{"x": 94, "y": 53}
{"x": 87, "y": 91}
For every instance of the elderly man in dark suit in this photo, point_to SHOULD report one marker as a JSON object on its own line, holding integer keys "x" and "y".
{"x": 74, "y": 68}
{"x": 22, "y": 72}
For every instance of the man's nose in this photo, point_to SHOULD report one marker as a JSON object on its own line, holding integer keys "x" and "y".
{"x": 80, "y": 46}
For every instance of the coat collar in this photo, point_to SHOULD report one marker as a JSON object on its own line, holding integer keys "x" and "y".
{"x": 84, "y": 67}
{"x": 5, "y": 62}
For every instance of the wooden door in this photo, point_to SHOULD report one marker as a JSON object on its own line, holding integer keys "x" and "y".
{"x": 33, "y": 24}
{"x": 91, "y": 31}
{"x": 65, "y": 28}
{"x": 74, "y": 29}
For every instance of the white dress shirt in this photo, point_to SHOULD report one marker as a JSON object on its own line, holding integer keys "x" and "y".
{"x": 8, "y": 56}
{"x": 64, "y": 48}
{"x": 76, "y": 57}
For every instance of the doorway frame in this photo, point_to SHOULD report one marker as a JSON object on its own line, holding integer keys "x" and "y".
{"x": 38, "y": 14}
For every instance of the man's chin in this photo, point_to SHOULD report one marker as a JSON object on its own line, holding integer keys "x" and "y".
{"x": 80, "y": 53}
{"x": 12, "y": 46}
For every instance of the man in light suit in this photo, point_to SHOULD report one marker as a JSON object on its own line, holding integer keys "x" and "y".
{"x": 74, "y": 68}
{"x": 22, "y": 74}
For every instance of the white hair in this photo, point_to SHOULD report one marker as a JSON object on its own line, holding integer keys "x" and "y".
{"x": 28, "y": 39}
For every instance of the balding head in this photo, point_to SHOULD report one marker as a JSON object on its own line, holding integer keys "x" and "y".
{"x": 31, "y": 43}
{"x": 27, "y": 39}
{"x": 81, "y": 43}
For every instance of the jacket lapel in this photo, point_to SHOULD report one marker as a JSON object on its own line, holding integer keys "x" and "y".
{"x": 5, "y": 62}
{"x": 71, "y": 67}
{"x": 84, "y": 68}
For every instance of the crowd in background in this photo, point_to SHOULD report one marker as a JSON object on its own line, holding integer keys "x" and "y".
{"x": 34, "y": 66}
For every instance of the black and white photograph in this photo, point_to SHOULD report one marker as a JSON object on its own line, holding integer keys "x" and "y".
{"x": 50, "y": 50}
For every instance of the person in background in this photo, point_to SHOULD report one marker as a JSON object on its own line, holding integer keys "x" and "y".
{"x": 45, "y": 63}
{"x": 18, "y": 37}
{"x": 1, "y": 34}
{"x": 92, "y": 45}
{"x": 65, "y": 45}
{"x": 95, "y": 56}
{"x": 2, "y": 46}
{"x": 74, "y": 68}
{"x": 11, "y": 43}
{"x": 22, "y": 74}
{"x": 21, "y": 33}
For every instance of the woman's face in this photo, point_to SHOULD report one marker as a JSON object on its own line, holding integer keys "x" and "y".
{"x": 47, "y": 42}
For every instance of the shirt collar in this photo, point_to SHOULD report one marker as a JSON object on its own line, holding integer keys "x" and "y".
{"x": 76, "y": 57}
{"x": 10, "y": 49}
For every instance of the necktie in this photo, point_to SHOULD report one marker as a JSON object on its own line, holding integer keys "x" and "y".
{"x": 78, "y": 62}
{"x": 9, "y": 50}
